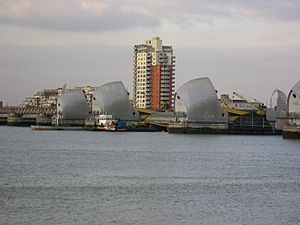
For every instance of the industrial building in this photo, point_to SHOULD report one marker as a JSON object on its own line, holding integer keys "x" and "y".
{"x": 112, "y": 98}
{"x": 81, "y": 105}
{"x": 278, "y": 100}
{"x": 197, "y": 101}
{"x": 153, "y": 75}
{"x": 197, "y": 109}
{"x": 294, "y": 104}
{"x": 277, "y": 112}
{"x": 72, "y": 105}
{"x": 291, "y": 128}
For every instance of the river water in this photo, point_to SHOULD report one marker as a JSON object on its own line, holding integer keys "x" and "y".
{"x": 77, "y": 177}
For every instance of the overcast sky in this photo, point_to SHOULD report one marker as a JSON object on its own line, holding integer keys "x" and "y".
{"x": 248, "y": 46}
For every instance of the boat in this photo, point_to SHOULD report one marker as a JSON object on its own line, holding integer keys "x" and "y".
{"x": 106, "y": 123}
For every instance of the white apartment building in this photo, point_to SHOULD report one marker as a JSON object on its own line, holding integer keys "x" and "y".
{"x": 153, "y": 75}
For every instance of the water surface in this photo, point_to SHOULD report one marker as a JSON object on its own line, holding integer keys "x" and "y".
{"x": 76, "y": 177}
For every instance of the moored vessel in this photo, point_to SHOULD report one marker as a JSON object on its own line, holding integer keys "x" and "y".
{"x": 106, "y": 123}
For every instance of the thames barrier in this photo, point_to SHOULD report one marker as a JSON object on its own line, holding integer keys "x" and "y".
{"x": 197, "y": 109}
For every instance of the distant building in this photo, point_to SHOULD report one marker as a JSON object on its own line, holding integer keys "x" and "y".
{"x": 1, "y": 103}
{"x": 42, "y": 99}
{"x": 48, "y": 97}
{"x": 153, "y": 75}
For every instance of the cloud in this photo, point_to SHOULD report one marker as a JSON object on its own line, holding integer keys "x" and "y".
{"x": 15, "y": 9}
{"x": 72, "y": 15}
{"x": 102, "y": 15}
{"x": 281, "y": 10}
{"x": 94, "y": 7}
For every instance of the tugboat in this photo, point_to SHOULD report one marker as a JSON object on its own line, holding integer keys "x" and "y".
{"x": 106, "y": 123}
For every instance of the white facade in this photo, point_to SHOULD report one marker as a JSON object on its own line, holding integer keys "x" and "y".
{"x": 142, "y": 77}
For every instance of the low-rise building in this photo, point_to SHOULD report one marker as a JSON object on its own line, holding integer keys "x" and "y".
{"x": 48, "y": 97}
{"x": 42, "y": 99}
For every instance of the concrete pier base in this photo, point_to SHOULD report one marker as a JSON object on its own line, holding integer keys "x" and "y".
{"x": 198, "y": 128}
{"x": 20, "y": 120}
{"x": 90, "y": 123}
{"x": 291, "y": 132}
{"x": 14, "y": 120}
{"x": 43, "y": 120}
{"x": 3, "y": 119}
{"x": 68, "y": 122}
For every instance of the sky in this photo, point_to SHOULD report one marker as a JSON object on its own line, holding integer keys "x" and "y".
{"x": 248, "y": 46}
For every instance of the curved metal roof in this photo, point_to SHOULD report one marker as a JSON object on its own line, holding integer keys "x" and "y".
{"x": 197, "y": 99}
{"x": 112, "y": 98}
{"x": 296, "y": 88}
{"x": 72, "y": 105}
{"x": 278, "y": 100}
{"x": 278, "y": 106}
{"x": 294, "y": 99}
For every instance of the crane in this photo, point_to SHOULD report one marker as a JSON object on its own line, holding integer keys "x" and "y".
{"x": 258, "y": 105}
{"x": 228, "y": 106}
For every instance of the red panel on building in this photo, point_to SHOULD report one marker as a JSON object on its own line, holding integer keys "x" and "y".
{"x": 155, "y": 87}
{"x": 171, "y": 86}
